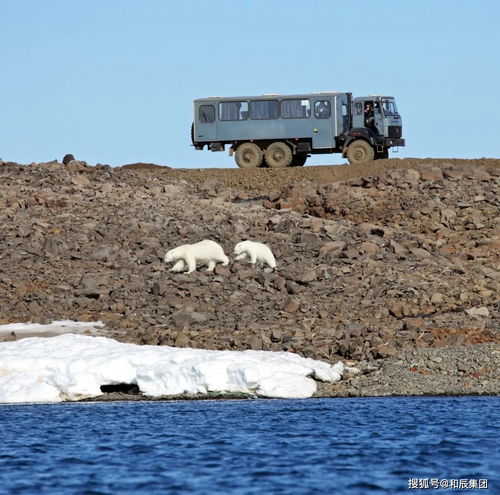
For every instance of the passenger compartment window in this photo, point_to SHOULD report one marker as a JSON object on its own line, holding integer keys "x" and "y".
{"x": 322, "y": 109}
{"x": 295, "y": 109}
{"x": 264, "y": 109}
{"x": 358, "y": 108}
{"x": 233, "y": 110}
{"x": 207, "y": 114}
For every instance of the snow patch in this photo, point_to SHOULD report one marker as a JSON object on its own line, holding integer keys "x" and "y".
{"x": 56, "y": 327}
{"x": 72, "y": 367}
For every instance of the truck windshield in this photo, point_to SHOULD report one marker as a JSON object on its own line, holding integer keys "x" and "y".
{"x": 389, "y": 107}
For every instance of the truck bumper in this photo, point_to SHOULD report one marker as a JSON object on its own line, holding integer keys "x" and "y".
{"x": 389, "y": 142}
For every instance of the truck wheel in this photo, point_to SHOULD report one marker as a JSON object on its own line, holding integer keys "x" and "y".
{"x": 299, "y": 160}
{"x": 360, "y": 151}
{"x": 278, "y": 154}
{"x": 248, "y": 155}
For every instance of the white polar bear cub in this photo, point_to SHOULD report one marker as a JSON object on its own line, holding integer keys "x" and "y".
{"x": 203, "y": 252}
{"x": 257, "y": 252}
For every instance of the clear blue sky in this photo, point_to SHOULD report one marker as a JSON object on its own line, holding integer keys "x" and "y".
{"x": 112, "y": 81}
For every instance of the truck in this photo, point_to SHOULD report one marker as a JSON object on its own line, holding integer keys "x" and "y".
{"x": 276, "y": 130}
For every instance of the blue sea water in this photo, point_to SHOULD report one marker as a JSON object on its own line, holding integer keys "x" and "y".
{"x": 346, "y": 446}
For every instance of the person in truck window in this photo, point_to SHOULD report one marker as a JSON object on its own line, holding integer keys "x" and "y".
{"x": 369, "y": 115}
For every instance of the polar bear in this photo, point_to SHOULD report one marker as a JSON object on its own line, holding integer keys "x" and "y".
{"x": 205, "y": 252}
{"x": 257, "y": 252}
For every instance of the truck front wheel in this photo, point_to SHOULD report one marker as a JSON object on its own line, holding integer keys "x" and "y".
{"x": 360, "y": 151}
{"x": 278, "y": 154}
{"x": 248, "y": 155}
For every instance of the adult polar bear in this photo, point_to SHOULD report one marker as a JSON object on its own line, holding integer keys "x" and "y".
{"x": 257, "y": 252}
{"x": 204, "y": 252}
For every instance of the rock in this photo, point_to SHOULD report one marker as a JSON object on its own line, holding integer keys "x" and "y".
{"x": 412, "y": 175}
{"x": 307, "y": 277}
{"x": 476, "y": 311}
{"x": 396, "y": 309}
{"x": 256, "y": 343}
{"x": 68, "y": 158}
{"x": 276, "y": 335}
{"x": 397, "y": 249}
{"x": 159, "y": 288}
{"x": 480, "y": 174}
{"x": 421, "y": 253}
{"x": 293, "y": 288}
{"x": 102, "y": 254}
{"x": 291, "y": 305}
{"x": 107, "y": 188}
{"x": 448, "y": 217}
{"x": 368, "y": 248}
{"x": 431, "y": 174}
{"x": 93, "y": 285}
{"x": 437, "y": 298}
{"x": 209, "y": 188}
{"x": 332, "y": 249}
{"x": 182, "y": 340}
{"x": 384, "y": 351}
{"x": 187, "y": 315}
{"x": 222, "y": 271}
{"x": 316, "y": 224}
{"x": 80, "y": 181}
{"x": 76, "y": 166}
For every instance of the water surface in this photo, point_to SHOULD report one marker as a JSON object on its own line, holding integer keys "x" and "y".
{"x": 348, "y": 446}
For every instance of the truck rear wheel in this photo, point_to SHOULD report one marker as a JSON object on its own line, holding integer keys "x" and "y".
{"x": 278, "y": 155}
{"x": 360, "y": 151}
{"x": 248, "y": 155}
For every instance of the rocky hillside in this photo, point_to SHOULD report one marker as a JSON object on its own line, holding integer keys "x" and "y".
{"x": 394, "y": 255}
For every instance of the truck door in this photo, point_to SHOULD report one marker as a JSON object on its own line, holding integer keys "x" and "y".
{"x": 379, "y": 118}
{"x": 368, "y": 114}
{"x": 205, "y": 123}
{"x": 323, "y": 121}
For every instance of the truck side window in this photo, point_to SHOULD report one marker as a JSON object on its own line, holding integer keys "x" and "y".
{"x": 345, "y": 116}
{"x": 264, "y": 109}
{"x": 295, "y": 109}
{"x": 358, "y": 108}
{"x": 207, "y": 114}
{"x": 233, "y": 110}
{"x": 322, "y": 109}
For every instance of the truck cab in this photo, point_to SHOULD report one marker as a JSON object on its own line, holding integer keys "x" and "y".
{"x": 376, "y": 120}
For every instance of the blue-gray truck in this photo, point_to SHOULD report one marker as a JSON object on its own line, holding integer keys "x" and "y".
{"x": 283, "y": 130}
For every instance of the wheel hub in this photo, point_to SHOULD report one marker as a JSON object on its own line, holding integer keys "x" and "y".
{"x": 359, "y": 154}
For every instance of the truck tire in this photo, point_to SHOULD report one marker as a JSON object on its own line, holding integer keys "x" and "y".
{"x": 248, "y": 155}
{"x": 299, "y": 160}
{"x": 278, "y": 155}
{"x": 360, "y": 151}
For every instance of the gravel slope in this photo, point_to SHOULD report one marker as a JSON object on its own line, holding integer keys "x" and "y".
{"x": 391, "y": 266}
